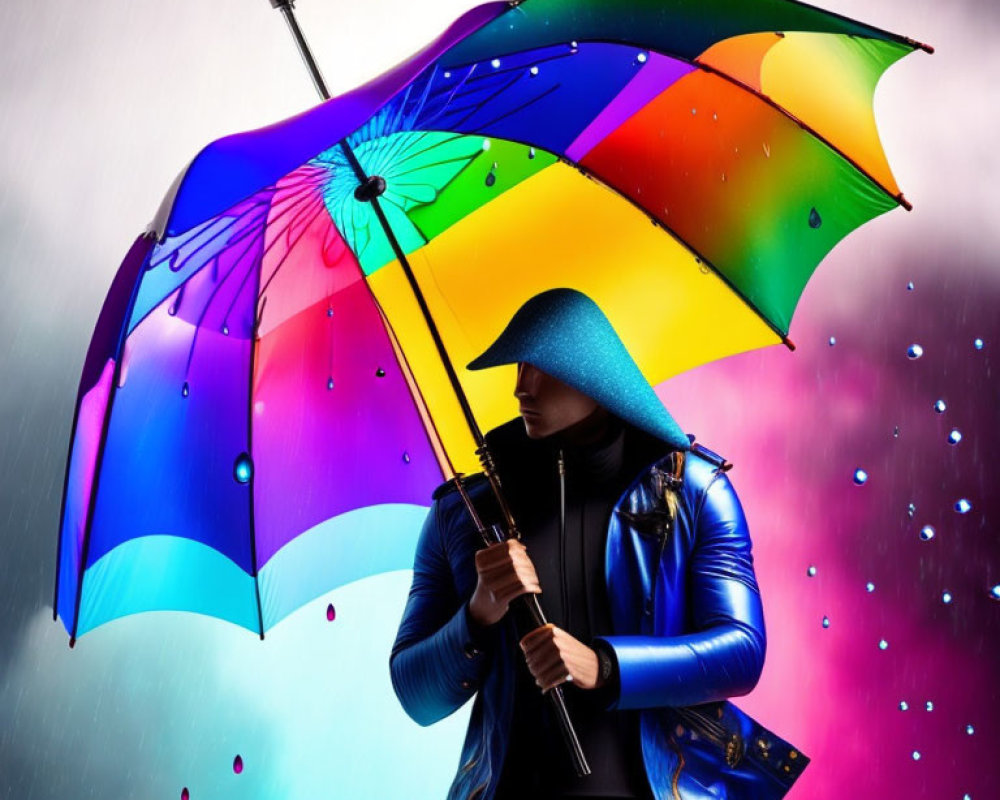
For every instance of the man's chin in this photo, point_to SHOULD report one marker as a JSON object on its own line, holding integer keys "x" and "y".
{"x": 534, "y": 428}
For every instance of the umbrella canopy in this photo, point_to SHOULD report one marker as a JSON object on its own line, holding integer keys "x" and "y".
{"x": 263, "y": 412}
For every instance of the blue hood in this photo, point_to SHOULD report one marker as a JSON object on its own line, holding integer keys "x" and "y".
{"x": 563, "y": 333}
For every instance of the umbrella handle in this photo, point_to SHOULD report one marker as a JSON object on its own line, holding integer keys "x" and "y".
{"x": 530, "y": 610}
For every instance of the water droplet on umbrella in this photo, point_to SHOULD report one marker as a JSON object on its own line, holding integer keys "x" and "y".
{"x": 447, "y": 74}
{"x": 495, "y": 63}
{"x": 331, "y": 613}
{"x": 243, "y": 468}
{"x": 895, "y": 432}
{"x": 694, "y": 111}
{"x": 978, "y": 344}
{"x": 826, "y": 622}
{"x": 969, "y": 730}
{"x": 939, "y": 406}
{"x": 911, "y": 510}
{"x": 833, "y": 341}
{"x": 882, "y": 644}
{"x": 406, "y": 458}
{"x": 955, "y": 436}
{"x": 767, "y": 150}
{"x": 329, "y": 312}
{"x": 814, "y": 218}
{"x": 945, "y": 597}
{"x": 258, "y": 407}
{"x": 929, "y": 706}
{"x": 641, "y": 58}
{"x": 715, "y": 116}
{"x": 185, "y": 795}
{"x": 723, "y": 177}
{"x": 237, "y": 765}
{"x": 533, "y": 70}
{"x": 329, "y": 383}
{"x": 380, "y": 373}
{"x": 171, "y": 310}
{"x": 811, "y": 571}
{"x": 492, "y": 177}
{"x": 185, "y": 390}
{"x": 903, "y": 705}
{"x": 487, "y": 144}
{"x": 914, "y": 351}
{"x": 225, "y": 330}
{"x": 963, "y": 506}
{"x": 927, "y": 533}
{"x": 916, "y": 755}
{"x": 909, "y": 286}
{"x": 995, "y": 592}
{"x": 870, "y": 586}
{"x": 860, "y": 476}
{"x": 574, "y": 45}
{"x": 531, "y": 152}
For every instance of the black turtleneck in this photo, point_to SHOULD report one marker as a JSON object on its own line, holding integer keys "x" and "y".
{"x": 574, "y": 597}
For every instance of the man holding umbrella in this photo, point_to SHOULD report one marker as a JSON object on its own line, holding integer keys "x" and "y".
{"x": 642, "y": 548}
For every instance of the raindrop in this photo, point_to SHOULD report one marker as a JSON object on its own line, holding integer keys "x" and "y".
{"x": 882, "y": 644}
{"x": 939, "y": 406}
{"x": 895, "y": 432}
{"x": 380, "y": 373}
{"x": 329, "y": 383}
{"x": 860, "y": 476}
{"x": 492, "y": 177}
{"x": 826, "y": 622}
{"x": 870, "y": 586}
{"x": 916, "y": 755}
{"x": 406, "y": 458}
{"x": 914, "y": 351}
{"x": 814, "y": 218}
{"x": 995, "y": 592}
{"x": 533, "y": 70}
{"x": 329, "y": 312}
{"x": 955, "y": 436}
{"x": 929, "y": 705}
{"x": 969, "y": 730}
{"x": 694, "y": 111}
{"x": 978, "y": 344}
{"x": 185, "y": 390}
{"x": 495, "y": 63}
{"x": 715, "y": 116}
{"x": 903, "y": 705}
{"x": 926, "y": 533}
{"x": 531, "y": 152}
{"x": 225, "y": 330}
{"x": 331, "y": 613}
{"x": 486, "y": 144}
{"x": 963, "y": 506}
{"x": 185, "y": 794}
{"x": 911, "y": 510}
{"x": 909, "y": 286}
{"x": 171, "y": 310}
{"x": 574, "y": 45}
{"x": 243, "y": 468}
{"x": 258, "y": 407}
{"x": 767, "y": 150}
{"x": 447, "y": 74}
{"x": 641, "y": 58}
{"x": 833, "y": 341}
{"x": 811, "y": 571}
{"x": 723, "y": 177}
{"x": 237, "y": 765}
{"x": 946, "y": 597}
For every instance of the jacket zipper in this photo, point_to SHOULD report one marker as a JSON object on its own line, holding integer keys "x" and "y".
{"x": 562, "y": 539}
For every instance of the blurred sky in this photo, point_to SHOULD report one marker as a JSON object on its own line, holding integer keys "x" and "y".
{"x": 103, "y": 103}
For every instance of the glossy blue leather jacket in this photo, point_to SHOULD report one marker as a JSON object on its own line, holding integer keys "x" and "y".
{"x": 688, "y": 629}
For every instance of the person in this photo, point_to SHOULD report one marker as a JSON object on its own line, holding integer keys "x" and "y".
{"x": 639, "y": 550}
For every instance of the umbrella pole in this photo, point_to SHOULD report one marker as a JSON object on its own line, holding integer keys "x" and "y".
{"x": 369, "y": 189}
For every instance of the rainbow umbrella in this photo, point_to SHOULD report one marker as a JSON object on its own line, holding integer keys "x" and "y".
{"x": 276, "y": 381}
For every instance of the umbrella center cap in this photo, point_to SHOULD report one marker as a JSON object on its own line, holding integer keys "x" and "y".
{"x": 370, "y": 189}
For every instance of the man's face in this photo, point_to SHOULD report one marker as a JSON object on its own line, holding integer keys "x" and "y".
{"x": 548, "y": 405}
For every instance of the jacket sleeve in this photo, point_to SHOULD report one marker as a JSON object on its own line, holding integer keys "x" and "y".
{"x": 438, "y": 659}
{"x": 724, "y": 656}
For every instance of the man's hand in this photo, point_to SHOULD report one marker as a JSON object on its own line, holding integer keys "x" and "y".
{"x": 505, "y": 572}
{"x": 555, "y": 657}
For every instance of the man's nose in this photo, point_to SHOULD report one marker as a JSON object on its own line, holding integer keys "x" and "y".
{"x": 525, "y": 380}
